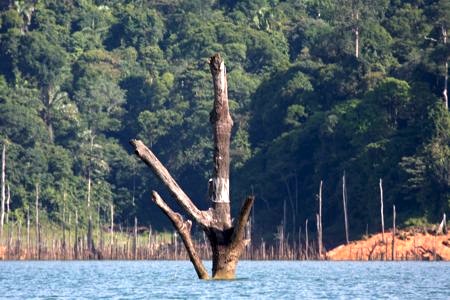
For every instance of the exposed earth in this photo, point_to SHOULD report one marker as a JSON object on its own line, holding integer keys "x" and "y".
{"x": 409, "y": 245}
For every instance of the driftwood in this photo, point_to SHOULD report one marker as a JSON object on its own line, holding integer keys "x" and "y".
{"x": 226, "y": 239}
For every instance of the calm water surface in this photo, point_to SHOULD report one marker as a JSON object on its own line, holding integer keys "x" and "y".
{"x": 256, "y": 280}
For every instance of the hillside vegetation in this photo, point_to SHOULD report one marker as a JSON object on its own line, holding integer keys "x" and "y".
{"x": 317, "y": 88}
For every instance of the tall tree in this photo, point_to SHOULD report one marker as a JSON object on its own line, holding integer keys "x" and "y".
{"x": 101, "y": 104}
{"x": 226, "y": 239}
{"x": 45, "y": 63}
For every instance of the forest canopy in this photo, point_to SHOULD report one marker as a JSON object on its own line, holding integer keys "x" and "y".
{"x": 316, "y": 88}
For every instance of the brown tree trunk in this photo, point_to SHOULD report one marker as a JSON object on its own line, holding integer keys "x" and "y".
{"x": 226, "y": 239}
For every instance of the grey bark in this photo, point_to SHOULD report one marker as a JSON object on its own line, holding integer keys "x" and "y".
{"x": 445, "y": 89}
{"x": 3, "y": 182}
{"x": 38, "y": 236}
{"x": 344, "y": 202}
{"x": 319, "y": 222}
{"x": 393, "y": 232}
{"x": 382, "y": 209}
{"x": 226, "y": 239}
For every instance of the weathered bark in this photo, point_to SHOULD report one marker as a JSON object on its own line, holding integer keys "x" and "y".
{"x": 442, "y": 229}
{"x": 135, "y": 238}
{"x": 201, "y": 217}
{"x": 393, "y": 232}
{"x": 344, "y": 202}
{"x": 63, "y": 225}
{"x": 226, "y": 239}
{"x": 184, "y": 229}
{"x": 2, "y": 216}
{"x": 355, "y": 15}
{"x": 306, "y": 240}
{"x": 111, "y": 242}
{"x": 382, "y": 209}
{"x": 28, "y": 233}
{"x": 8, "y": 202}
{"x": 445, "y": 89}
{"x": 319, "y": 222}
{"x": 38, "y": 236}
{"x": 90, "y": 243}
{"x": 75, "y": 244}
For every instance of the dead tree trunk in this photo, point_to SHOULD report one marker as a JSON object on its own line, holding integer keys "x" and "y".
{"x": 8, "y": 202}
{"x": 38, "y": 236}
{"x": 28, "y": 256}
{"x": 442, "y": 229}
{"x": 356, "y": 31}
{"x": 135, "y": 239}
{"x": 445, "y": 89}
{"x": 111, "y": 242}
{"x": 226, "y": 239}
{"x": 75, "y": 244}
{"x": 90, "y": 240}
{"x": 344, "y": 202}
{"x": 382, "y": 210}
{"x": 2, "y": 216}
{"x": 319, "y": 222}
{"x": 63, "y": 225}
{"x": 393, "y": 232}
{"x": 306, "y": 240}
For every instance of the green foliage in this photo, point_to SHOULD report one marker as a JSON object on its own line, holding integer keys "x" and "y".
{"x": 78, "y": 79}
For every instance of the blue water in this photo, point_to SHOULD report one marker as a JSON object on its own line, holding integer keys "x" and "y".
{"x": 255, "y": 280}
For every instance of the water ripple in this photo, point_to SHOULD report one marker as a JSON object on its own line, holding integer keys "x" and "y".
{"x": 255, "y": 280}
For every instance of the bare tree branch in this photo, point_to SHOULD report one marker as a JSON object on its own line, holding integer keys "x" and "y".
{"x": 145, "y": 154}
{"x": 241, "y": 222}
{"x": 184, "y": 229}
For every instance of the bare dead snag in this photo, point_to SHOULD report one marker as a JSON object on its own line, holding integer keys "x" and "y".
{"x": 2, "y": 213}
{"x": 344, "y": 202}
{"x": 319, "y": 222}
{"x": 239, "y": 227}
{"x": 393, "y": 232}
{"x": 144, "y": 153}
{"x": 184, "y": 229}
{"x": 381, "y": 209}
{"x": 227, "y": 241}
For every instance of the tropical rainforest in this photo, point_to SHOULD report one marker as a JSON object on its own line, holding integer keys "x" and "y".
{"x": 317, "y": 89}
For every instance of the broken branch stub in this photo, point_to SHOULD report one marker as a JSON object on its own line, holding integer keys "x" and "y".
{"x": 184, "y": 229}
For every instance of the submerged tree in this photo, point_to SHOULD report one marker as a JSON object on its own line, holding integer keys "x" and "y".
{"x": 226, "y": 238}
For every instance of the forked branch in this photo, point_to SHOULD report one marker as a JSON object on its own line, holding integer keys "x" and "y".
{"x": 184, "y": 229}
{"x": 201, "y": 217}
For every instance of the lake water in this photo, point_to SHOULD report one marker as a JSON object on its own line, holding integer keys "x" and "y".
{"x": 255, "y": 280}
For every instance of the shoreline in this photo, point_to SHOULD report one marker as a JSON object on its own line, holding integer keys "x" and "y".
{"x": 408, "y": 245}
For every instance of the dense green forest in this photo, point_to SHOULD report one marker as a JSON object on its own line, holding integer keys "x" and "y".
{"x": 317, "y": 88}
